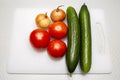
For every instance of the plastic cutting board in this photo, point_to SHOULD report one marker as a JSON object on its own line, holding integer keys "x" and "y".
{"x": 23, "y": 58}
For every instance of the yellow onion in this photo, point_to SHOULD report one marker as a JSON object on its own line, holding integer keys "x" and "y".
{"x": 42, "y": 20}
{"x": 58, "y": 14}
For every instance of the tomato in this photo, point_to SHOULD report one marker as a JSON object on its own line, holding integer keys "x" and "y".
{"x": 58, "y": 30}
{"x": 39, "y": 38}
{"x": 56, "y": 48}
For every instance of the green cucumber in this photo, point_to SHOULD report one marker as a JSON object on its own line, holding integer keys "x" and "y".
{"x": 73, "y": 39}
{"x": 85, "y": 42}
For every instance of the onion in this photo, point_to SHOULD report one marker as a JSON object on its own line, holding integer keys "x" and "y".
{"x": 58, "y": 14}
{"x": 42, "y": 20}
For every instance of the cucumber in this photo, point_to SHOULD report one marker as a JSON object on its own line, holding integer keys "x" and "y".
{"x": 73, "y": 39}
{"x": 85, "y": 42}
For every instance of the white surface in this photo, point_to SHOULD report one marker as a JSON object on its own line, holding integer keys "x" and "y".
{"x": 111, "y": 8}
{"x": 24, "y": 58}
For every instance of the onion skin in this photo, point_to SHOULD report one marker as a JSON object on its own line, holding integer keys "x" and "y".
{"x": 42, "y": 20}
{"x": 58, "y": 15}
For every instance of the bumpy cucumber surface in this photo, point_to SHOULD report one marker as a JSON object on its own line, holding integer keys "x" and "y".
{"x": 86, "y": 44}
{"x": 73, "y": 51}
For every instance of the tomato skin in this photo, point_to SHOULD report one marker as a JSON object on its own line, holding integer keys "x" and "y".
{"x": 58, "y": 30}
{"x": 57, "y": 48}
{"x": 39, "y": 38}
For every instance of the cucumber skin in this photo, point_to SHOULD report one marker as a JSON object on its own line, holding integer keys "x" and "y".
{"x": 86, "y": 44}
{"x": 73, "y": 51}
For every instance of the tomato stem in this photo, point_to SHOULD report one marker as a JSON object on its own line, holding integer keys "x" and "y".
{"x": 59, "y": 7}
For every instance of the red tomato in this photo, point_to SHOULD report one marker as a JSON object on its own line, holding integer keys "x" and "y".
{"x": 39, "y": 38}
{"x": 58, "y": 30}
{"x": 56, "y": 48}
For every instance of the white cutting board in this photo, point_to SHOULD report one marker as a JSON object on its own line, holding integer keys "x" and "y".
{"x": 23, "y": 58}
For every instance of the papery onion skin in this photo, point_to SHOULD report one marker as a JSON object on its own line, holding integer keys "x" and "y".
{"x": 58, "y": 14}
{"x": 42, "y": 20}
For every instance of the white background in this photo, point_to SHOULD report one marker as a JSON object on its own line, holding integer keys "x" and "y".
{"x": 112, "y": 11}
